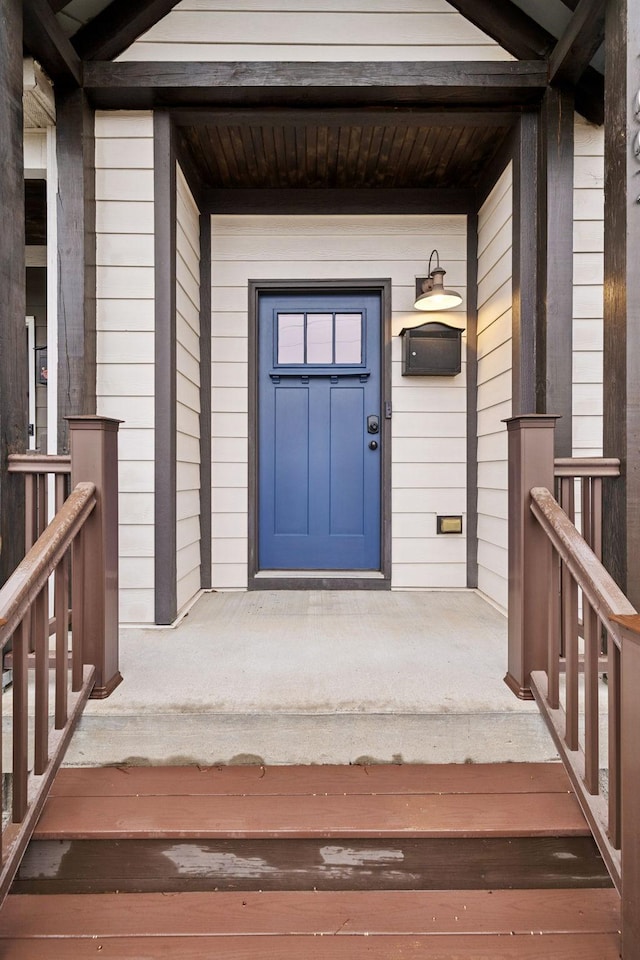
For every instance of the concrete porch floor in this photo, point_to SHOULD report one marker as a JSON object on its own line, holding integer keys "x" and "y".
{"x": 316, "y": 677}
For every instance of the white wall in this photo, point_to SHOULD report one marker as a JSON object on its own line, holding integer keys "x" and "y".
{"x": 187, "y": 393}
{"x": 588, "y": 268}
{"x": 494, "y": 385}
{"x": 323, "y": 30}
{"x": 125, "y": 337}
{"x": 429, "y": 416}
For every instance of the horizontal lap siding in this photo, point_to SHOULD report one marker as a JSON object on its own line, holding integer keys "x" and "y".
{"x": 588, "y": 266}
{"x": 429, "y": 414}
{"x": 187, "y": 393}
{"x": 125, "y": 338}
{"x": 494, "y": 385}
{"x": 326, "y": 30}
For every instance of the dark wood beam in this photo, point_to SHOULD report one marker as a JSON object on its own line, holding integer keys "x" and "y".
{"x": 555, "y": 266}
{"x": 117, "y": 26}
{"x": 525, "y": 325}
{"x": 13, "y": 344}
{"x": 524, "y": 38}
{"x": 509, "y": 26}
{"x": 621, "y": 428}
{"x": 293, "y": 201}
{"x": 578, "y": 44}
{"x": 164, "y": 165}
{"x": 142, "y": 85}
{"x": 76, "y": 259}
{"x": 58, "y": 5}
{"x": 45, "y": 40}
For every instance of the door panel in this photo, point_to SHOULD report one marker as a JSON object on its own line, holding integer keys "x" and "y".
{"x": 319, "y": 480}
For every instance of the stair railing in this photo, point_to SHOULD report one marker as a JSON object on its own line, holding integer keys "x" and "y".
{"x": 585, "y": 678}
{"x": 79, "y": 550}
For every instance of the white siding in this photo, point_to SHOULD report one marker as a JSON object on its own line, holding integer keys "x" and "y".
{"x": 494, "y": 385}
{"x": 333, "y": 30}
{"x": 429, "y": 415}
{"x": 187, "y": 393}
{"x": 588, "y": 267}
{"x": 125, "y": 337}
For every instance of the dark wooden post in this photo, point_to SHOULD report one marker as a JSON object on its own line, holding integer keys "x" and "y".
{"x": 621, "y": 428}
{"x": 525, "y": 346}
{"x": 531, "y": 460}
{"x": 164, "y": 161}
{"x": 94, "y": 458}
{"x": 77, "y": 259}
{"x": 555, "y": 267}
{"x": 13, "y": 342}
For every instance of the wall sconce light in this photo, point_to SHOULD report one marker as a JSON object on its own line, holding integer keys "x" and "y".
{"x": 434, "y": 295}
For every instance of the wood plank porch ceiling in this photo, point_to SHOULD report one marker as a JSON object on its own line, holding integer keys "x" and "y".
{"x": 350, "y": 154}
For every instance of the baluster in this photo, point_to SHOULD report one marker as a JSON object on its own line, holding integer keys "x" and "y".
{"x": 596, "y": 522}
{"x": 553, "y": 664}
{"x": 570, "y": 634}
{"x": 586, "y": 497}
{"x": 591, "y": 706}
{"x": 613, "y": 684}
{"x": 20, "y": 718}
{"x": 40, "y": 620}
{"x": 77, "y": 616}
{"x": 61, "y": 604}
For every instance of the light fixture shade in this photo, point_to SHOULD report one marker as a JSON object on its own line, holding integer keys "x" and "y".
{"x": 435, "y": 296}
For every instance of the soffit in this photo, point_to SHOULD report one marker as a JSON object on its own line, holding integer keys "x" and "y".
{"x": 360, "y": 152}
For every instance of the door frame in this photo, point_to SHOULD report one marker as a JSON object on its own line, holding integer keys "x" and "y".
{"x": 364, "y": 581}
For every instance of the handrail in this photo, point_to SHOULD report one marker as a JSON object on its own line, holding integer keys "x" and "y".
{"x": 586, "y": 467}
{"x": 603, "y": 593}
{"x": 32, "y": 573}
{"x": 603, "y": 603}
{"x": 39, "y": 463}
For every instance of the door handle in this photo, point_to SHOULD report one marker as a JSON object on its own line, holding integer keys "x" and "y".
{"x": 373, "y": 445}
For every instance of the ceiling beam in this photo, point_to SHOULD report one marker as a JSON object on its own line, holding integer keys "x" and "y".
{"x": 576, "y": 47}
{"x": 117, "y": 26}
{"x": 346, "y": 116}
{"x": 45, "y": 40}
{"x": 293, "y": 201}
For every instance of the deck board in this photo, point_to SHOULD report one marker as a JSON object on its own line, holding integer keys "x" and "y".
{"x": 309, "y": 780}
{"x": 383, "y": 815}
{"x": 370, "y": 913}
{"x": 449, "y": 947}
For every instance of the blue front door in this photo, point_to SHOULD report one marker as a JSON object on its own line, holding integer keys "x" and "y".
{"x": 319, "y": 431}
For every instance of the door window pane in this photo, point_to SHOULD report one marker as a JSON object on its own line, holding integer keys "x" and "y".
{"x": 348, "y": 338}
{"x": 319, "y": 338}
{"x": 290, "y": 338}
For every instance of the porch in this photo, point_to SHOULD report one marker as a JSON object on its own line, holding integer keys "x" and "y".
{"x": 286, "y": 677}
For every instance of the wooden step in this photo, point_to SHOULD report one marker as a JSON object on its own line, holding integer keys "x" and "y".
{"x": 499, "y": 925}
{"x": 467, "y": 800}
{"x": 138, "y": 866}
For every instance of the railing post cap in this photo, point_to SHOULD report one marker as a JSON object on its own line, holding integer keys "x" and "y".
{"x": 532, "y": 420}
{"x": 92, "y": 421}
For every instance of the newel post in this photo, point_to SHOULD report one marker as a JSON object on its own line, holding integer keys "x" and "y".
{"x": 94, "y": 458}
{"x": 630, "y": 783}
{"x": 531, "y": 464}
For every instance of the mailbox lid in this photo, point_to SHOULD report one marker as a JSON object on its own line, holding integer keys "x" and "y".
{"x": 432, "y": 349}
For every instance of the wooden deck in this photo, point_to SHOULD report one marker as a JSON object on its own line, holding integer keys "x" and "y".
{"x": 449, "y": 862}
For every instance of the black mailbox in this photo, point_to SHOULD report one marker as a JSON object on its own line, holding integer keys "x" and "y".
{"x": 431, "y": 350}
